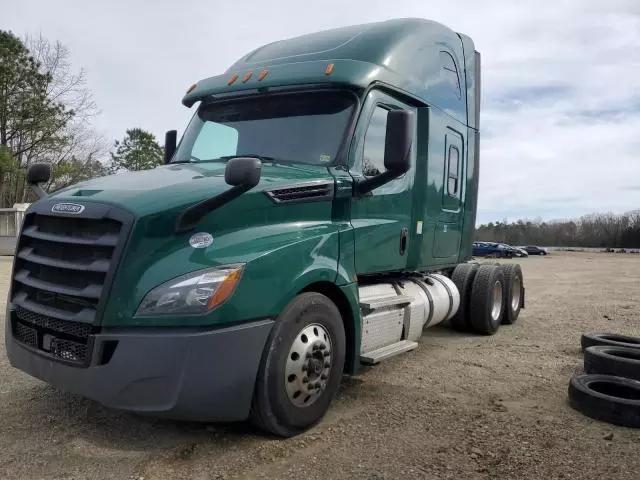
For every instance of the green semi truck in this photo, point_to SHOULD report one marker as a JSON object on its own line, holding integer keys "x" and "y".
{"x": 317, "y": 214}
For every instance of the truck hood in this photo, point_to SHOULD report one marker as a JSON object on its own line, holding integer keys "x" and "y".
{"x": 172, "y": 186}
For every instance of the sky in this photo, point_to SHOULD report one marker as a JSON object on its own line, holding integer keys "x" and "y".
{"x": 560, "y": 118}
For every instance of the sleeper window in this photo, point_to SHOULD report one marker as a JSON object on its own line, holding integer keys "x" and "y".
{"x": 454, "y": 164}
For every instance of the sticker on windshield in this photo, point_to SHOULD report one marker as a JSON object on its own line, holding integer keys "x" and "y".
{"x": 325, "y": 158}
{"x": 201, "y": 240}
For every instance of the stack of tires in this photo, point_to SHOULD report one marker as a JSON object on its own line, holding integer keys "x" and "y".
{"x": 609, "y": 390}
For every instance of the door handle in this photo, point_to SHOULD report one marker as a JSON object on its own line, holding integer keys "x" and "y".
{"x": 403, "y": 240}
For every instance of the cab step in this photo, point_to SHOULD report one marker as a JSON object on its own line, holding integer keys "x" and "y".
{"x": 383, "y": 353}
{"x": 376, "y": 303}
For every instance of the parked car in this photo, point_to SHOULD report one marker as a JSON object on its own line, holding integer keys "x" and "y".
{"x": 492, "y": 249}
{"x": 534, "y": 250}
{"x": 519, "y": 252}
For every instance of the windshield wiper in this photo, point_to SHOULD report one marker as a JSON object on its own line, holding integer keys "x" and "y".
{"x": 262, "y": 158}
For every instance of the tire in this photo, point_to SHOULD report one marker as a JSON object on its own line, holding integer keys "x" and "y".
{"x": 616, "y": 361}
{"x": 462, "y": 277}
{"x": 610, "y": 399}
{"x": 514, "y": 292}
{"x": 485, "y": 312}
{"x": 297, "y": 339}
{"x": 611, "y": 339}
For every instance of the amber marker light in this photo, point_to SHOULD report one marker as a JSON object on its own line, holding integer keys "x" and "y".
{"x": 232, "y": 80}
{"x": 329, "y": 69}
{"x": 225, "y": 289}
{"x": 247, "y": 76}
{"x": 192, "y": 88}
{"x": 263, "y": 74}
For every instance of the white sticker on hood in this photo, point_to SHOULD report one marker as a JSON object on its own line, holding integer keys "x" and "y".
{"x": 201, "y": 240}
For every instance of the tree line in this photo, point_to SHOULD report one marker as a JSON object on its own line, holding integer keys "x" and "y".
{"x": 45, "y": 116}
{"x": 590, "y": 231}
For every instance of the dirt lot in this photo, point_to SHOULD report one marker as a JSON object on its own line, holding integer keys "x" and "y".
{"x": 460, "y": 406}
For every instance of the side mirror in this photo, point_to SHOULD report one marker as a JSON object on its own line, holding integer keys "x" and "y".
{"x": 38, "y": 173}
{"x": 399, "y": 137}
{"x": 243, "y": 172}
{"x": 397, "y": 150}
{"x": 170, "y": 141}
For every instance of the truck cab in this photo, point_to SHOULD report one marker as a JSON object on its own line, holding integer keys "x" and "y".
{"x": 316, "y": 215}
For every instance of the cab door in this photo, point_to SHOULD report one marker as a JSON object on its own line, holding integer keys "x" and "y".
{"x": 381, "y": 219}
{"x": 448, "y": 229}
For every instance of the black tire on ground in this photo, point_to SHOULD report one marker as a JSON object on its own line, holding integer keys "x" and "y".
{"x": 272, "y": 409}
{"x": 462, "y": 277}
{"x": 611, "y": 339}
{"x": 514, "y": 287}
{"x": 486, "y": 302}
{"x": 617, "y": 361}
{"x": 610, "y": 399}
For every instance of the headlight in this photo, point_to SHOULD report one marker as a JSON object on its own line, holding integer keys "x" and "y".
{"x": 192, "y": 294}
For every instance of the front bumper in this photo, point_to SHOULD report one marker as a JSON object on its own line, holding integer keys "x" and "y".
{"x": 174, "y": 373}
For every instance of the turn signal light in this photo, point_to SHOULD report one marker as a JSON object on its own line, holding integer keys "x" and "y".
{"x": 329, "y": 69}
{"x": 225, "y": 289}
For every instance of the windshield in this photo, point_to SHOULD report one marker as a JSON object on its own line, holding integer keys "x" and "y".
{"x": 296, "y": 128}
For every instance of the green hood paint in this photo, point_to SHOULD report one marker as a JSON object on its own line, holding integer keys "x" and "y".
{"x": 179, "y": 185}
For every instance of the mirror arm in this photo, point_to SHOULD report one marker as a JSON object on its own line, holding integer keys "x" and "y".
{"x": 38, "y": 190}
{"x": 188, "y": 219}
{"x": 365, "y": 185}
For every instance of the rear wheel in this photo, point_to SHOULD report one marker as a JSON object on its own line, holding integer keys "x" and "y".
{"x": 462, "y": 277}
{"x": 512, "y": 292}
{"x": 301, "y": 367}
{"x": 487, "y": 297}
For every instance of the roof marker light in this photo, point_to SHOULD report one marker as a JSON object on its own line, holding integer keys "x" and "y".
{"x": 192, "y": 88}
{"x": 263, "y": 74}
{"x": 247, "y": 76}
{"x": 329, "y": 69}
{"x": 233, "y": 79}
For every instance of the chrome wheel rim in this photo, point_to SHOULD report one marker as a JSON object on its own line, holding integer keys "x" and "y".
{"x": 308, "y": 365}
{"x": 496, "y": 301}
{"x": 516, "y": 289}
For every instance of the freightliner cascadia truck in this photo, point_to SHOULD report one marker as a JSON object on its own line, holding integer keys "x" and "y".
{"x": 316, "y": 215}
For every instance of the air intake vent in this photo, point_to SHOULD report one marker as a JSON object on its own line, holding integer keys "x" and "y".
{"x": 303, "y": 192}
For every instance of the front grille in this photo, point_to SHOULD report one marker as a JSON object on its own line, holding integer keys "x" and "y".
{"x": 44, "y": 323}
{"x": 25, "y": 334}
{"x": 69, "y": 341}
{"x": 63, "y": 269}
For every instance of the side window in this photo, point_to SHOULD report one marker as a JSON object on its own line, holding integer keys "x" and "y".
{"x": 453, "y": 176}
{"x": 374, "y": 139}
{"x": 451, "y": 72}
{"x": 215, "y": 140}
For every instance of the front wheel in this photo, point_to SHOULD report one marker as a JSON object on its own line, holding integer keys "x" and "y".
{"x": 301, "y": 367}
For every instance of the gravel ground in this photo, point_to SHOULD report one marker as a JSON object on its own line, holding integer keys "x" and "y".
{"x": 460, "y": 406}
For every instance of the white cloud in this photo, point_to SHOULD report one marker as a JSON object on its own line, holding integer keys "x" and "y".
{"x": 561, "y": 88}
